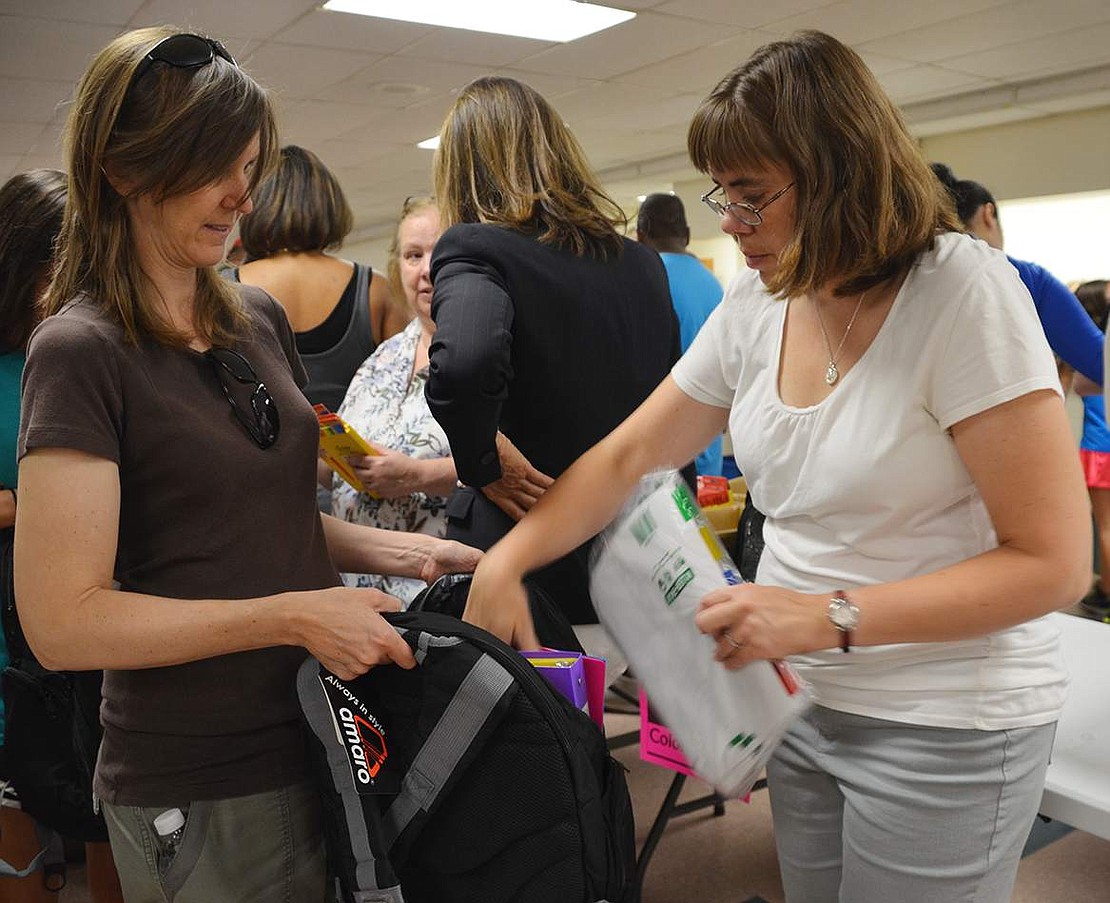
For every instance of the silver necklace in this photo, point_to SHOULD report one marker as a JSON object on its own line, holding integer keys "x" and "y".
{"x": 832, "y": 374}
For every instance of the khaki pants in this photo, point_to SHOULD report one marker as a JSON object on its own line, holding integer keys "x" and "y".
{"x": 265, "y": 848}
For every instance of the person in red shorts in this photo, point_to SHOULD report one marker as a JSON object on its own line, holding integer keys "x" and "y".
{"x": 1094, "y": 453}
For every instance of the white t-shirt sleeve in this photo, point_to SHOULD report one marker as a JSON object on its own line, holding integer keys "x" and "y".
{"x": 993, "y": 348}
{"x": 707, "y": 371}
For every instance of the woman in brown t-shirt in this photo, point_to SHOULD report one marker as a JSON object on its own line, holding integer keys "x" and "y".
{"x": 168, "y": 526}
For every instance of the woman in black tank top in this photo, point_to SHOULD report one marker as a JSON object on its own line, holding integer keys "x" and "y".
{"x": 340, "y": 311}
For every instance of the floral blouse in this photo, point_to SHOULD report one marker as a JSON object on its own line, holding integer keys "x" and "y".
{"x": 385, "y": 404}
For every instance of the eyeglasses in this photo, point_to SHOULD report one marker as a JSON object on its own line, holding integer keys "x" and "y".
{"x": 262, "y": 423}
{"x": 182, "y": 51}
{"x": 745, "y": 213}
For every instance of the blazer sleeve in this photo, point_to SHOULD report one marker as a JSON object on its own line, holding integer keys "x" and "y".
{"x": 469, "y": 361}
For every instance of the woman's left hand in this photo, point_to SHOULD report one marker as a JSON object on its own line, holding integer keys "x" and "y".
{"x": 445, "y": 556}
{"x": 752, "y": 622}
{"x": 389, "y": 474}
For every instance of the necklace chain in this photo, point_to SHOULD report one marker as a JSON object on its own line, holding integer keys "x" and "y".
{"x": 832, "y": 374}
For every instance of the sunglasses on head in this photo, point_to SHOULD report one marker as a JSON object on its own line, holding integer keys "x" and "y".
{"x": 262, "y": 422}
{"x": 182, "y": 51}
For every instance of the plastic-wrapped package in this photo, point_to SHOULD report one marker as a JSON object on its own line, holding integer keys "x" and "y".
{"x": 649, "y": 571}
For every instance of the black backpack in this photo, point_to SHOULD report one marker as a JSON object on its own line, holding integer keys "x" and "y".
{"x": 466, "y": 778}
{"x": 52, "y": 728}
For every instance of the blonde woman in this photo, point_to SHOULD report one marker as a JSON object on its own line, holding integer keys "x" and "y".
{"x": 550, "y": 325}
{"x": 896, "y": 411}
{"x": 167, "y": 526}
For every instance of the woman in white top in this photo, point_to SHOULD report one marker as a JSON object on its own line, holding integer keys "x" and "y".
{"x": 413, "y": 474}
{"x": 895, "y": 408}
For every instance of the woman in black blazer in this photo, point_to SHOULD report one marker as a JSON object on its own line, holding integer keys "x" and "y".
{"x": 550, "y": 325}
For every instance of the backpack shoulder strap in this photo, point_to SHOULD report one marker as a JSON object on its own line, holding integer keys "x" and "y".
{"x": 475, "y": 699}
{"x": 317, "y": 712}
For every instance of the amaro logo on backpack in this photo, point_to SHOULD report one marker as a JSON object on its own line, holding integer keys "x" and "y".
{"x": 362, "y": 736}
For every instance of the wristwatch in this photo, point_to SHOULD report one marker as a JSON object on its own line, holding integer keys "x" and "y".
{"x": 844, "y": 615}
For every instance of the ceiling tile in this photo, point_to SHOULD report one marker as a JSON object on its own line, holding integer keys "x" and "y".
{"x": 303, "y": 72}
{"x": 550, "y": 86}
{"x": 9, "y": 166}
{"x": 745, "y": 13}
{"x": 224, "y": 19}
{"x": 429, "y": 78}
{"x": 882, "y": 65}
{"x": 1044, "y": 55}
{"x": 619, "y": 107}
{"x": 981, "y": 31}
{"x": 349, "y": 157}
{"x": 345, "y": 31}
{"x": 698, "y": 70}
{"x": 403, "y": 128}
{"x": 606, "y": 150}
{"x": 854, "y": 21}
{"x": 33, "y": 100}
{"x": 19, "y": 137}
{"x": 46, "y": 49}
{"x": 928, "y": 82}
{"x": 311, "y": 121}
{"x": 648, "y": 38}
{"x": 103, "y": 12}
{"x": 477, "y": 48}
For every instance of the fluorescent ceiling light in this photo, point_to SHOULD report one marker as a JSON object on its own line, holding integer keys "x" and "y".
{"x": 544, "y": 20}
{"x": 429, "y": 143}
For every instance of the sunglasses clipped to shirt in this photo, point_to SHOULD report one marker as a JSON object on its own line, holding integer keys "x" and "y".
{"x": 261, "y": 421}
{"x": 182, "y": 51}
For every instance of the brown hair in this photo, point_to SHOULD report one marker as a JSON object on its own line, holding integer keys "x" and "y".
{"x": 412, "y": 206}
{"x": 173, "y": 132}
{"x": 299, "y": 208}
{"x": 867, "y": 204}
{"x": 1092, "y": 295}
{"x": 506, "y": 157}
{"x": 31, "y": 206}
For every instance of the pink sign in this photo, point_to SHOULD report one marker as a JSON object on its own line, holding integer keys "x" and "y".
{"x": 657, "y": 744}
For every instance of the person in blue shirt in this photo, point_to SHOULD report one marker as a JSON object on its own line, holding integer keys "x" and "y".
{"x": 1070, "y": 332}
{"x": 695, "y": 291}
{"x": 1094, "y": 453}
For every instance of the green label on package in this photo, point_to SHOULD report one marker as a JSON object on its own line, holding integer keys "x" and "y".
{"x": 687, "y": 507}
{"x": 672, "y": 575}
{"x": 643, "y": 528}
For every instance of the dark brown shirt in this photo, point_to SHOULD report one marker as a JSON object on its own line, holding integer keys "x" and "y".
{"x": 204, "y": 514}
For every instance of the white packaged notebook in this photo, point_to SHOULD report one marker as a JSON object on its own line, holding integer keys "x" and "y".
{"x": 649, "y": 571}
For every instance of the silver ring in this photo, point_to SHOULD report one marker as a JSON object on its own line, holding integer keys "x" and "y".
{"x": 731, "y": 641}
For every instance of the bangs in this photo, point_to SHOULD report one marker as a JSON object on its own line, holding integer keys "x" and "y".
{"x": 220, "y": 105}
{"x": 725, "y": 135}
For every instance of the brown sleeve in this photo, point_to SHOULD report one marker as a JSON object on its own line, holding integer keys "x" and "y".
{"x": 275, "y": 315}
{"x": 72, "y": 391}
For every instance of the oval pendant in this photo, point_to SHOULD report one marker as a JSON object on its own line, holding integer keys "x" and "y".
{"x": 831, "y": 373}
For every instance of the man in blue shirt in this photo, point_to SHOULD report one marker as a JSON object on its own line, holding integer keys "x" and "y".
{"x": 695, "y": 291}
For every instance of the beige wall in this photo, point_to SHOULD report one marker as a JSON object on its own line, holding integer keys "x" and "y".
{"x": 1061, "y": 154}
{"x": 374, "y": 252}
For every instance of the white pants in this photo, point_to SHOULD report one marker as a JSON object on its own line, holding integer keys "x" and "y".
{"x": 872, "y": 811}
